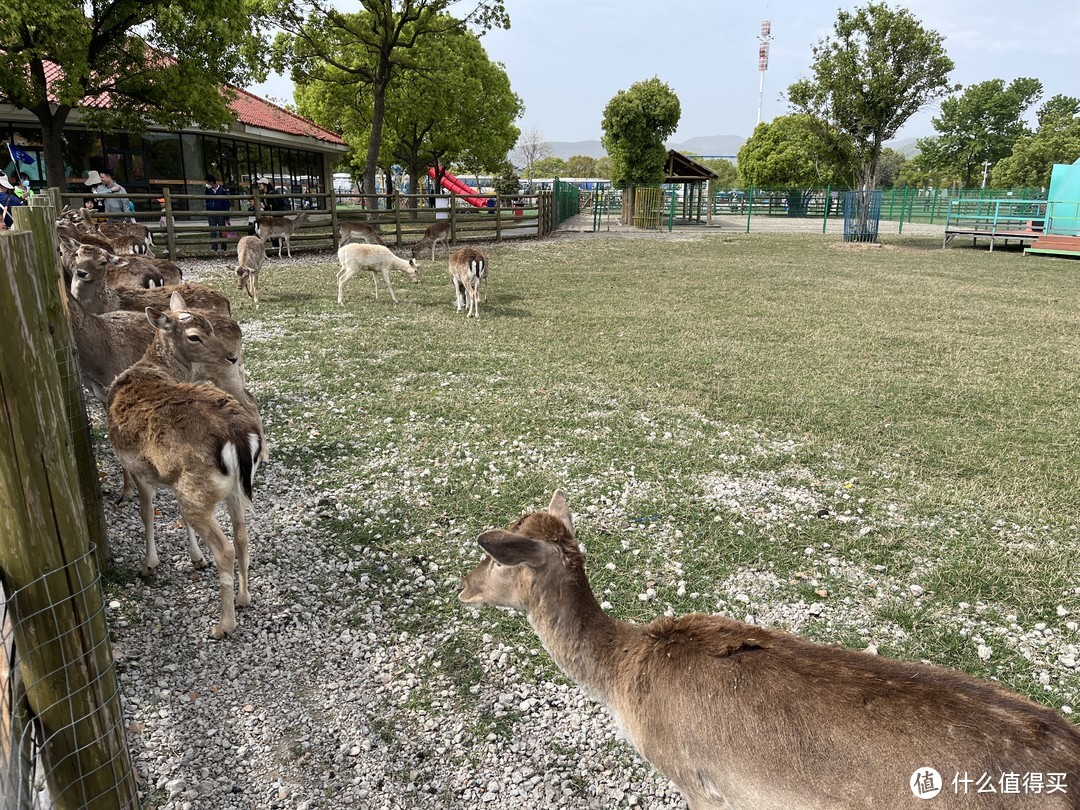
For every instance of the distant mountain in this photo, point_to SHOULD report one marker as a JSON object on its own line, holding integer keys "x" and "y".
{"x": 701, "y": 145}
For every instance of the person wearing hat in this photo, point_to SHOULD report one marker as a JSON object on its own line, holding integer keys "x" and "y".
{"x": 8, "y": 200}
{"x": 103, "y": 183}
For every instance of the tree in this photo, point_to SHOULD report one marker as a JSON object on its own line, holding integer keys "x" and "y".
{"x": 164, "y": 62}
{"x": 604, "y": 167}
{"x": 636, "y": 124}
{"x": 795, "y": 153}
{"x": 726, "y": 171}
{"x": 879, "y": 68}
{"x": 549, "y": 167}
{"x": 1057, "y": 140}
{"x": 979, "y": 126}
{"x": 890, "y": 166}
{"x": 580, "y": 166}
{"x": 533, "y": 147}
{"x": 365, "y": 50}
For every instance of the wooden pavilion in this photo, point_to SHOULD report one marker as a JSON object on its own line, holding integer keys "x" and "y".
{"x": 697, "y": 186}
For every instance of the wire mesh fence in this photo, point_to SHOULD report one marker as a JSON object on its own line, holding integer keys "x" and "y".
{"x": 56, "y": 748}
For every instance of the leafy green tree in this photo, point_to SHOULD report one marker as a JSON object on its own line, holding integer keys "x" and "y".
{"x": 795, "y": 153}
{"x": 636, "y": 124}
{"x": 508, "y": 183}
{"x": 580, "y": 166}
{"x": 878, "y": 69}
{"x": 161, "y": 61}
{"x": 550, "y": 167}
{"x": 1057, "y": 140}
{"x": 604, "y": 167}
{"x": 889, "y": 167}
{"x": 727, "y": 173}
{"x": 979, "y": 126}
{"x": 365, "y": 50}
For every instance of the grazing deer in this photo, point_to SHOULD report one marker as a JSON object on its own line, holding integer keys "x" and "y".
{"x": 358, "y": 232}
{"x": 435, "y": 233}
{"x": 743, "y": 716}
{"x": 375, "y": 259}
{"x": 250, "y": 255}
{"x": 468, "y": 267}
{"x": 194, "y": 439}
{"x": 280, "y": 228}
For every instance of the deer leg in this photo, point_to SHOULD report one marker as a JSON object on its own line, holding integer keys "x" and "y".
{"x": 389, "y": 286}
{"x": 375, "y": 281}
{"x": 342, "y": 277}
{"x": 146, "y": 511}
{"x": 240, "y": 545}
{"x": 459, "y": 292}
{"x": 207, "y": 526}
{"x": 288, "y": 245}
{"x": 128, "y": 490}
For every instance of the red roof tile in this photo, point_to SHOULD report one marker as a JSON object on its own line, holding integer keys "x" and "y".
{"x": 249, "y": 109}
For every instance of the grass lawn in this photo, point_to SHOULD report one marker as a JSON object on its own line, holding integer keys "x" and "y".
{"x": 868, "y": 446}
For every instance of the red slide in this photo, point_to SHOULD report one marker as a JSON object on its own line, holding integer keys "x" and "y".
{"x": 452, "y": 183}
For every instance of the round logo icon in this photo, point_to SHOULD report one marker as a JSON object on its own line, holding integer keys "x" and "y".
{"x": 925, "y": 783}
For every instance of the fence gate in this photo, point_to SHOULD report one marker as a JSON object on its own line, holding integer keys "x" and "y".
{"x": 862, "y": 214}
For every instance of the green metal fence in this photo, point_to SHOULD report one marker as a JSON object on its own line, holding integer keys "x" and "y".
{"x": 567, "y": 200}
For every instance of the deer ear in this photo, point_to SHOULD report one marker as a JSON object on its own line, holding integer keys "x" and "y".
{"x": 510, "y": 549}
{"x": 157, "y": 318}
{"x": 177, "y": 302}
{"x": 558, "y": 508}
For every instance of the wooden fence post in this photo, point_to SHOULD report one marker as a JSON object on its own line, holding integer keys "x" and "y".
{"x": 49, "y": 576}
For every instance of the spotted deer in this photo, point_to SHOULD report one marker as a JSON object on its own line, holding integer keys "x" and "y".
{"x": 280, "y": 228}
{"x": 740, "y": 716}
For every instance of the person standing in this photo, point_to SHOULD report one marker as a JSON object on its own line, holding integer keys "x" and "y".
{"x": 115, "y": 201}
{"x": 8, "y": 200}
{"x": 214, "y": 204}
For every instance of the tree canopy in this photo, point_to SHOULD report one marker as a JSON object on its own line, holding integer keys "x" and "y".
{"x": 365, "y": 50}
{"x": 878, "y": 69}
{"x": 793, "y": 151}
{"x": 1057, "y": 140}
{"x": 160, "y": 61}
{"x": 979, "y": 126}
{"x": 454, "y": 106}
{"x": 636, "y": 124}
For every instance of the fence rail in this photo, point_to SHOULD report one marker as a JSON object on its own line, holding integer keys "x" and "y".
{"x": 182, "y": 228}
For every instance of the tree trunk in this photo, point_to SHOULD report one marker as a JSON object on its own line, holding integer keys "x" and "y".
{"x": 378, "y": 88}
{"x": 52, "y": 140}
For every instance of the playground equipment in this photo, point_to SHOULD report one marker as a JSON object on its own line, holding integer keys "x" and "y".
{"x": 467, "y": 192}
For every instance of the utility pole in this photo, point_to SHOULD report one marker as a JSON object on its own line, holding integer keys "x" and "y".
{"x": 764, "y": 38}
{"x": 986, "y": 169}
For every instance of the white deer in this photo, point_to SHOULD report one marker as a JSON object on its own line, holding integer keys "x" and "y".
{"x": 194, "y": 439}
{"x": 375, "y": 259}
{"x": 740, "y": 716}
{"x": 433, "y": 234}
{"x": 468, "y": 268}
{"x": 280, "y": 228}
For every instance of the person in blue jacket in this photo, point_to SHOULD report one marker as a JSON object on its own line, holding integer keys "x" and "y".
{"x": 8, "y": 200}
{"x": 214, "y": 204}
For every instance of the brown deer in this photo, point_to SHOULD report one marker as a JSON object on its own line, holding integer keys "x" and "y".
{"x": 434, "y": 233}
{"x": 358, "y": 232}
{"x": 250, "y": 256}
{"x": 280, "y": 228}
{"x": 743, "y": 716}
{"x": 468, "y": 268}
{"x": 195, "y": 439}
{"x": 89, "y": 284}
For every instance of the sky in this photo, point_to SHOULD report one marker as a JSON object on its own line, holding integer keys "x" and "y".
{"x": 567, "y": 58}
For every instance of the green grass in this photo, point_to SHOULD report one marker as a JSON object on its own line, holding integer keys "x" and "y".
{"x": 702, "y": 402}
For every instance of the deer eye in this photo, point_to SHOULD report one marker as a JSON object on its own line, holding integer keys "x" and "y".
{"x": 194, "y": 338}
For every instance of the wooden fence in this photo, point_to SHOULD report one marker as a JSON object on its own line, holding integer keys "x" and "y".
{"x": 180, "y": 226}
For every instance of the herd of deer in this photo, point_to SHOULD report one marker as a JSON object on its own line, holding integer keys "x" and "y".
{"x": 736, "y": 715}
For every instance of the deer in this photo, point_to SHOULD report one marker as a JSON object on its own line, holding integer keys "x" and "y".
{"x": 194, "y": 439}
{"x": 122, "y": 271}
{"x": 281, "y": 228}
{"x": 468, "y": 267}
{"x": 250, "y": 255}
{"x": 743, "y": 716}
{"x": 89, "y": 286}
{"x": 358, "y": 232}
{"x": 434, "y": 233}
{"x": 375, "y": 259}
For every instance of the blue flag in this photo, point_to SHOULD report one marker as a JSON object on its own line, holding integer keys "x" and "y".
{"x": 19, "y": 156}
